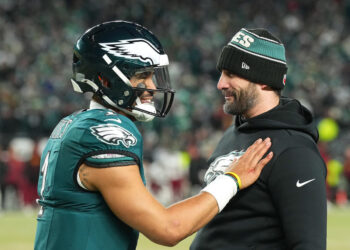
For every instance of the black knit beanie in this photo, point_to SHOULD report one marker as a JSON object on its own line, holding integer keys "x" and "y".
{"x": 255, "y": 55}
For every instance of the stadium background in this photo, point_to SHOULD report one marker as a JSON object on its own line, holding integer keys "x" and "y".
{"x": 36, "y": 39}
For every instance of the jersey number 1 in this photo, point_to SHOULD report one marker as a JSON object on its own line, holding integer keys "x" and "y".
{"x": 43, "y": 172}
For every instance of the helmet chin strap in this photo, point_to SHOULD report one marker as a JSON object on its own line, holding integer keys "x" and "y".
{"x": 138, "y": 115}
{"x": 141, "y": 116}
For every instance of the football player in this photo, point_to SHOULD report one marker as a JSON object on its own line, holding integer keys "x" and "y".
{"x": 92, "y": 185}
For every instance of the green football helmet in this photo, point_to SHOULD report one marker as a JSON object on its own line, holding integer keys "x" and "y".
{"x": 116, "y": 51}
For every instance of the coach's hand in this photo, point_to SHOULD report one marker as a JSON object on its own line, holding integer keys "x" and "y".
{"x": 250, "y": 164}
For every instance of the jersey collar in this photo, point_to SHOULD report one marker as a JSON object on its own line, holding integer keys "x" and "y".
{"x": 96, "y": 105}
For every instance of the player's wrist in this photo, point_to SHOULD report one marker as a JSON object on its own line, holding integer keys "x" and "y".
{"x": 236, "y": 178}
{"x": 223, "y": 188}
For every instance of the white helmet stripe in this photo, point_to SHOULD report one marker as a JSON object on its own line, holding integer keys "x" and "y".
{"x": 121, "y": 75}
{"x": 116, "y": 70}
{"x": 107, "y": 59}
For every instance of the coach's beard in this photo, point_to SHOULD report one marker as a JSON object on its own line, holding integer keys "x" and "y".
{"x": 244, "y": 100}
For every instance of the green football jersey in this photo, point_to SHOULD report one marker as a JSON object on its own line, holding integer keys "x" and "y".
{"x": 72, "y": 218}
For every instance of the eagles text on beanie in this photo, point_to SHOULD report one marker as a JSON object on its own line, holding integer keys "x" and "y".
{"x": 256, "y": 55}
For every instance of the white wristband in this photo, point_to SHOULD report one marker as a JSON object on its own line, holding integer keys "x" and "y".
{"x": 223, "y": 188}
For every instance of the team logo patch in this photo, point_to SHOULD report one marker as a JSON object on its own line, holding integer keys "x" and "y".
{"x": 114, "y": 134}
{"x": 133, "y": 49}
{"x": 220, "y": 164}
{"x": 245, "y": 66}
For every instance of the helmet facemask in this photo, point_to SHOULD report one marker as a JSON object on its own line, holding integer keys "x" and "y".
{"x": 145, "y": 102}
{"x": 154, "y": 101}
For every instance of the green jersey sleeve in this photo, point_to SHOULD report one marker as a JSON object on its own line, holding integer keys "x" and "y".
{"x": 109, "y": 140}
{"x": 109, "y": 160}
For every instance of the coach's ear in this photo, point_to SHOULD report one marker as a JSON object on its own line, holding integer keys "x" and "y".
{"x": 264, "y": 86}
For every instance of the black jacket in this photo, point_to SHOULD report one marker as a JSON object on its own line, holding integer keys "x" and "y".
{"x": 286, "y": 207}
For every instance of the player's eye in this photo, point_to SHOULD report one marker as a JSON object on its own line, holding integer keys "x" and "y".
{"x": 143, "y": 75}
{"x": 141, "y": 85}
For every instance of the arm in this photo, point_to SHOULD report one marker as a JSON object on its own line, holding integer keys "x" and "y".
{"x": 297, "y": 185}
{"x": 167, "y": 226}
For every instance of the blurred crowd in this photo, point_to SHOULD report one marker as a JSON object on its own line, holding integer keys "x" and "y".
{"x": 36, "y": 40}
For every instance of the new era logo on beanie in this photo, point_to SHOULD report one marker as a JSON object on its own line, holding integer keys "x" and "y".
{"x": 256, "y": 55}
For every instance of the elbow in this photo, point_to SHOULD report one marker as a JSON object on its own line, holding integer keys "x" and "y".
{"x": 175, "y": 232}
{"x": 169, "y": 243}
{"x": 169, "y": 236}
{"x": 172, "y": 239}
